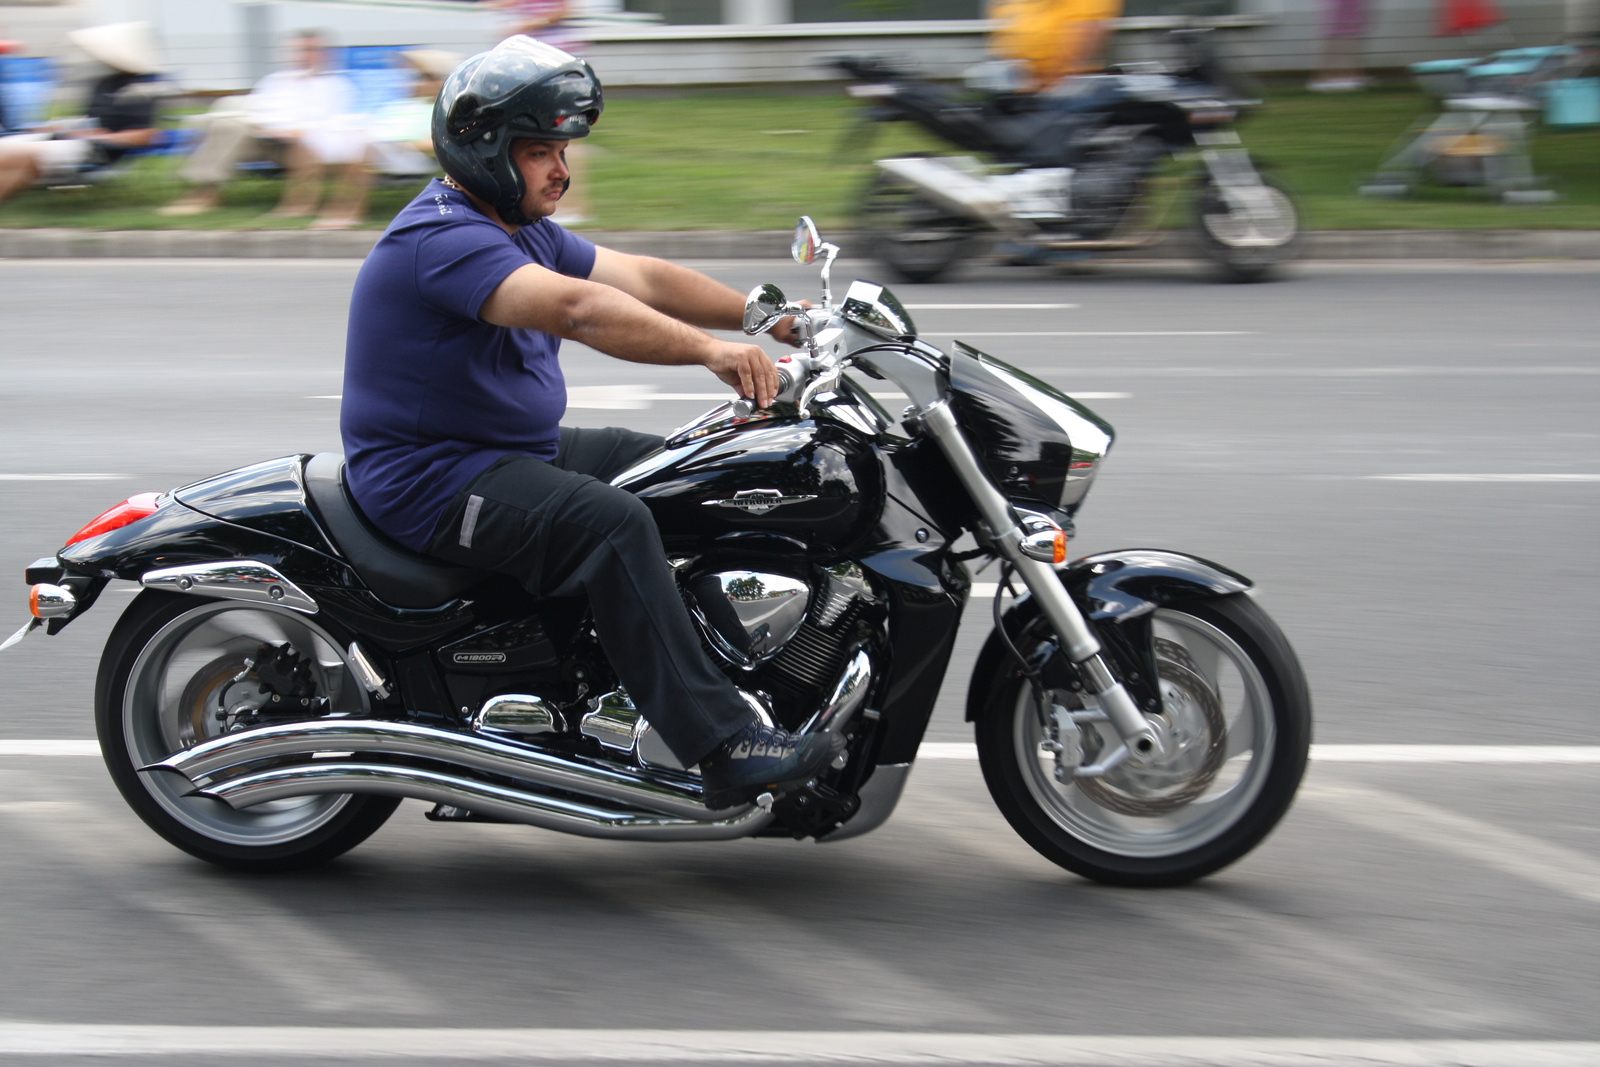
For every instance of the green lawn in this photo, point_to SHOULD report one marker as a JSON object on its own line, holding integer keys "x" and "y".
{"x": 750, "y": 160}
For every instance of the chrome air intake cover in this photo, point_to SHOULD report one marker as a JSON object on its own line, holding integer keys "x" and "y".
{"x": 748, "y": 616}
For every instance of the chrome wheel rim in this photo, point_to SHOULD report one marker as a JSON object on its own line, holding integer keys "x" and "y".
{"x": 1238, "y": 230}
{"x": 1217, "y": 721}
{"x": 184, "y": 677}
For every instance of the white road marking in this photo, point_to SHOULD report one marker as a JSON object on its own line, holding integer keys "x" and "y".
{"x": 1420, "y": 371}
{"x": 308, "y": 961}
{"x": 776, "y": 1046}
{"x": 958, "y": 334}
{"x": 1514, "y": 478}
{"x": 857, "y": 986}
{"x": 305, "y": 960}
{"x": 61, "y": 477}
{"x": 1456, "y": 753}
{"x": 1384, "y": 982}
{"x": 1527, "y": 856}
{"x": 49, "y": 748}
{"x": 1501, "y": 754}
{"x": 988, "y": 307}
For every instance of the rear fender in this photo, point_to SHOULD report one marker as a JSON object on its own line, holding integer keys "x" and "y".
{"x": 174, "y": 536}
{"x": 1117, "y": 592}
{"x": 178, "y": 535}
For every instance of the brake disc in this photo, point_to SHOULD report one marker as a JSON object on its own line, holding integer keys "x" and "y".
{"x": 1197, "y": 742}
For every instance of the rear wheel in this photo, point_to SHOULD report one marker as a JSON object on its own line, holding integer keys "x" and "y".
{"x": 179, "y": 671}
{"x": 913, "y": 237}
{"x": 1236, "y": 719}
{"x": 1247, "y": 233}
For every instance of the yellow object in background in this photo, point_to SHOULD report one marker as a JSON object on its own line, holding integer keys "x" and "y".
{"x": 1055, "y": 38}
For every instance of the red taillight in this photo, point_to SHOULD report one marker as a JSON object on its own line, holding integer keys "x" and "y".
{"x": 130, "y": 510}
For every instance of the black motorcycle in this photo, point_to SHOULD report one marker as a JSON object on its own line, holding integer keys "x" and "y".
{"x": 288, "y": 674}
{"x": 1059, "y": 175}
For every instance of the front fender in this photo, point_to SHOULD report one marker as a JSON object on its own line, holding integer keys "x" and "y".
{"x": 1117, "y": 592}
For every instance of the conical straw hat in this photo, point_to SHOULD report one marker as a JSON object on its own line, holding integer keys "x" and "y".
{"x": 127, "y": 46}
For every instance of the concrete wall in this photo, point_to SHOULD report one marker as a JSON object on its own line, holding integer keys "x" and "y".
{"x": 208, "y": 42}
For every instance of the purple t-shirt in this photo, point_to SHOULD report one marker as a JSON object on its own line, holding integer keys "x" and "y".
{"x": 432, "y": 394}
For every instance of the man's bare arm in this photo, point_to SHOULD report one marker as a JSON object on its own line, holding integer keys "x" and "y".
{"x": 610, "y": 320}
{"x": 686, "y": 295}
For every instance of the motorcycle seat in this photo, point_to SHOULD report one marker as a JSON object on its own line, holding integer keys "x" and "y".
{"x": 396, "y": 575}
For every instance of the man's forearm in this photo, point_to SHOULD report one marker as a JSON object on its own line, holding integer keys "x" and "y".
{"x": 615, "y": 322}
{"x": 691, "y": 297}
{"x": 600, "y": 316}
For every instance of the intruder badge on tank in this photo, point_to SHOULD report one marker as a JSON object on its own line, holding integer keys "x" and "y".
{"x": 759, "y": 501}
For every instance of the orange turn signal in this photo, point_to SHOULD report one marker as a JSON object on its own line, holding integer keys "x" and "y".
{"x": 1047, "y": 546}
{"x": 51, "y": 601}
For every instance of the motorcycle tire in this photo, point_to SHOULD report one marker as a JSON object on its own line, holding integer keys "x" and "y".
{"x": 158, "y": 649}
{"x": 915, "y": 239}
{"x": 1231, "y": 687}
{"x": 1246, "y": 250}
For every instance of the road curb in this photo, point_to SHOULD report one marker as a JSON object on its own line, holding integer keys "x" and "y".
{"x": 727, "y": 244}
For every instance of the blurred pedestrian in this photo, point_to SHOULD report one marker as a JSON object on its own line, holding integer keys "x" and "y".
{"x": 121, "y": 113}
{"x": 401, "y": 135}
{"x": 303, "y": 118}
{"x": 1344, "y": 26}
{"x": 551, "y": 21}
{"x": 1053, "y": 40}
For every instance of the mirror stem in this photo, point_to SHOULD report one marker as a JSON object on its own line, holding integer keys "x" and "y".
{"x": 830, "y": 251}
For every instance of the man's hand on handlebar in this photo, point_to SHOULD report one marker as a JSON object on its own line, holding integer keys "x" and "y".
{"x": 787, "y": 330}
{"x": 745, "y": 367}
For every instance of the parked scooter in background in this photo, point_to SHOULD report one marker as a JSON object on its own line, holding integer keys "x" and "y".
{"x": 1067, "y": 171}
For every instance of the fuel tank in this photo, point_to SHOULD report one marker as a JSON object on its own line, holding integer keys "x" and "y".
{"x": 783, "y": 486}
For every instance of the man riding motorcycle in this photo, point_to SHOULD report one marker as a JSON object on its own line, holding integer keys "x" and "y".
{"x": 453, "y": 395}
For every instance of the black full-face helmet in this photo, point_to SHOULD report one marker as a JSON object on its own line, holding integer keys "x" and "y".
{"x": 521, "y": 88}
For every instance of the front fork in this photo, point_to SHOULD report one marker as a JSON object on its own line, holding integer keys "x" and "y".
{"x": 1140, "y": 738}
{"x": 1234, "y": 174}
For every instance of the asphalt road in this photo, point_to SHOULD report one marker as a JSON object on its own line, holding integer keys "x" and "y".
{"x": 1406, "y": 458}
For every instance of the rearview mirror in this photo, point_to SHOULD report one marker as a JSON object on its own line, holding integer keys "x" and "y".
{"x": 806, "y": 241}
{"x": 765, "y": 305}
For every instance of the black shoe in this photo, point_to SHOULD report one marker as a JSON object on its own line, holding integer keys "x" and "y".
{"x": 764, "y": 759}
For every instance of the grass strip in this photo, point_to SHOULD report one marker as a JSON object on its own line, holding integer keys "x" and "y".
{"x": 715, "y": 159}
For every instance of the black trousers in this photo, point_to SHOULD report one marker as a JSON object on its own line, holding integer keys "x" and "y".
{"x": 560, "y": 529}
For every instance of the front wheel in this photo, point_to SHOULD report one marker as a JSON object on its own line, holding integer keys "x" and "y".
{"x": 1248, "y": 232}
{"x": 179, "y": 671}
{"x": 914, "y": 238}
{"x": 1236, "y": 721}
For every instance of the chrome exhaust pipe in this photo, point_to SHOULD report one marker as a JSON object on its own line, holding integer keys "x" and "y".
{"x": 637, "y": 789}
{"x": 550, "y": 813}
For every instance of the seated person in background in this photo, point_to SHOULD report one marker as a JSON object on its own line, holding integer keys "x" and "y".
{"x": 401, "y": 134}
{"x": 1053, "y": 40}
{"x": 120, "y": 115}
{"x": 301, "y": 117}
